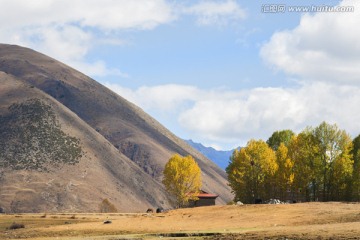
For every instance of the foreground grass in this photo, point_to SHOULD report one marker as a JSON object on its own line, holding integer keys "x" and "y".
{"x": 296, "y": 221}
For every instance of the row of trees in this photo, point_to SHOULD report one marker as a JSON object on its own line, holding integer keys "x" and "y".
{"x": 318, "y": 164}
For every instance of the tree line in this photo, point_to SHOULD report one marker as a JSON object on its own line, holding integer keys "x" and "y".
{"x": 318, "y": 164}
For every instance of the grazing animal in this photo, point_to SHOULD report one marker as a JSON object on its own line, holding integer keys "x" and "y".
{"x": 150, "y": 210}
{"x": 258, "y": 201}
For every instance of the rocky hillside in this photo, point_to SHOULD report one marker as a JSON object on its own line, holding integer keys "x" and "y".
{"x": 67, "y": 142}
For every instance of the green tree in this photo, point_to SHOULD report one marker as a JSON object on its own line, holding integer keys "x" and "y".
{"x": 278, "y": 137}
{"x": 251, "y": 171}
{"x": 182, "y": 179}
{"x": 356, "y": 169}
{"x": 335, "y": 146}
{"x": 341, "y": 179}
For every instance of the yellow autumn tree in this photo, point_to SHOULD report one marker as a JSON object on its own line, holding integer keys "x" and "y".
{"x": 182, "y": 179}
{"x": 303, "y": 150}
{"x": 284, "y": 175}
{"x": 251, "y": 171}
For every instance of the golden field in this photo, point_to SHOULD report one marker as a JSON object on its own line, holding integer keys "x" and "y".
{"x": 331, "y": 220}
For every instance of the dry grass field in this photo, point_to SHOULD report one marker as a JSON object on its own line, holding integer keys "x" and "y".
{"x": 296, "y": 221}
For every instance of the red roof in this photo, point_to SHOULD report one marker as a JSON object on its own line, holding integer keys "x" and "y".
{"x": 204, "y": 194}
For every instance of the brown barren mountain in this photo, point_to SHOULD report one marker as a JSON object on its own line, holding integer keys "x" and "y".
{"x": 67, "y": 142}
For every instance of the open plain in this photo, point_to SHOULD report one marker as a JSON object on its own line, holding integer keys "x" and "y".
{"x": 332, "y": 220}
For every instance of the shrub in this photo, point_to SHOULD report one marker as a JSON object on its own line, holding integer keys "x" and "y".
{"x": 107, "y": 207}
{"x": 231, "y": 203}
{"x": 15, "y": 225}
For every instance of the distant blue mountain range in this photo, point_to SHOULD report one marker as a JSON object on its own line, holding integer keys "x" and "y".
{"x": 221, "y": 158}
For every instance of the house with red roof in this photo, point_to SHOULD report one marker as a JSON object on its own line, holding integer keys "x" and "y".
{"x": 205, "y": 199}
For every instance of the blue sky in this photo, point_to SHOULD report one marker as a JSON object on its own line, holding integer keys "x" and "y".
{"x": 217, "y": 72}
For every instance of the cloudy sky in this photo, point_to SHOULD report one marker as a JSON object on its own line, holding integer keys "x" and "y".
{"x": 217, "y": 72}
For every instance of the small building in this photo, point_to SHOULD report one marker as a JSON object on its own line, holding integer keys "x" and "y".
{"x": 205, "y": 199}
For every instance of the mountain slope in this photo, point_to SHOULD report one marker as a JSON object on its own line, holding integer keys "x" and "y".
{"x": 221, "y": 158}
{"x": 120, "y": 131}
{"x": 39, "y": 181}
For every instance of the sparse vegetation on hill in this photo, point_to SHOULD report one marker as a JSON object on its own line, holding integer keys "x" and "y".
{"x": 31, "y": 138}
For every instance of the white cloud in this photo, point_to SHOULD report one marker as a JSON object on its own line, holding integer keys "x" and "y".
{"x": 106, "y": 14}
{"x": 69, "y": 30}
{"x": 324, "y": 47}
{"x": 323, "y": 52}
{"x": 71, "y": 42}
{"x": 66, "y": 29}
{"x": 166, "y": 98}
{"x": 258, "y": 112}
{"x": 230, "y": 118}
{"x": 250, "y": 114}
{"x": 124, "y": 14}
{"x": 216, "y": 13}
{"x": 97, "y": 68}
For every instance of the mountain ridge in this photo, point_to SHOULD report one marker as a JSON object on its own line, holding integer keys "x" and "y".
{"x": 219, "y": 157}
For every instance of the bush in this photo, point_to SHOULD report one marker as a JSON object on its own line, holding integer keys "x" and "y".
{"x": 15, "y": 225}
{"x": 231, "y": 203}
{"x": 107, "y": 207}
{"x": 159, "y": 210}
